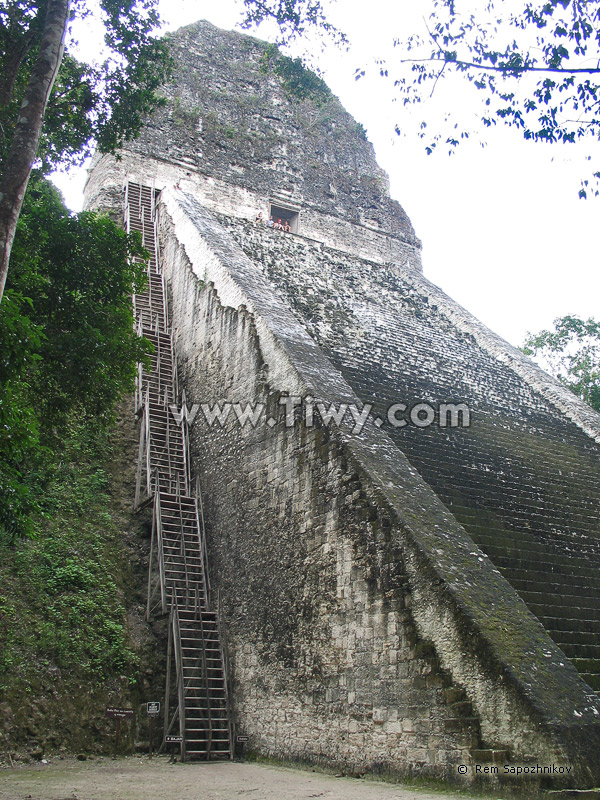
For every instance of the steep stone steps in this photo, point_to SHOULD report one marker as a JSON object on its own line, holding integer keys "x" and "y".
{"x": 579, "y": 651}
{"x": 564, "y": 612}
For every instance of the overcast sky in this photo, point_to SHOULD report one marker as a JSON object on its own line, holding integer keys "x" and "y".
{"x": 503, "y": 230}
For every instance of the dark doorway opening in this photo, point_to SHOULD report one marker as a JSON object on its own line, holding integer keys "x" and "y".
{"x": 284, "y": 214}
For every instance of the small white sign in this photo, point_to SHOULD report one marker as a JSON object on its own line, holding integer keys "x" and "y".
{"x": 153, "y": 709}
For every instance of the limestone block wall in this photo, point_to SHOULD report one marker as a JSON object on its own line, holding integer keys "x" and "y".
{"x": 233, "y": 133}
{"x": 379, "y": 588}
{"x": 107, "y": 176}
{"x": 357, "y": 608}
{"x": 230, "y": 115}
{"x": 523, "y": 478}
{"x": 326, "y": 661}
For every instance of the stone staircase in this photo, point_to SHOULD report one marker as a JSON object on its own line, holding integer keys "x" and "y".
{"x": 461, "y": 721}
{"x": 561, "y": 588}
{"x": 522, "y": 480}
{"x": 196, "y": 705}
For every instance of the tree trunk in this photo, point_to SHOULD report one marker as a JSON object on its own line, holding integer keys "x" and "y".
{"x": 26, "y": 136}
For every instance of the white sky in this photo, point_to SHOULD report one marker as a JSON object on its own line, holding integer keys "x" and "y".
{"x": 503, "y": 230}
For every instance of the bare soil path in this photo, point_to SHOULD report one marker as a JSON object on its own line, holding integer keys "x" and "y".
{"x": 141, "y": 779}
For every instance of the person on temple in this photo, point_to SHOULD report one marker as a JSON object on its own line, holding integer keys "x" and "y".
{"x": 259, "y": 219}
{"x": 270, "y": 223}
{"x": 287, "y": 227}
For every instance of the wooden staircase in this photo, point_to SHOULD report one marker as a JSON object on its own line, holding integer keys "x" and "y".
{"x": 196, "y": 705}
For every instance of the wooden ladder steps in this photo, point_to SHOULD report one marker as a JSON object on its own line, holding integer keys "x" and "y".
{"x": 206, "y": 717}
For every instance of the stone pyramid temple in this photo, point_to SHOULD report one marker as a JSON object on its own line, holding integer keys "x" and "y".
{"x": 399, "y": 510}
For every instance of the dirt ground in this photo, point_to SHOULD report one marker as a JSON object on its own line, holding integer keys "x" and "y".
{"x": 141, "y": 779}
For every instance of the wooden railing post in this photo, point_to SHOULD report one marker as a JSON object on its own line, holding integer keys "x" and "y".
{"x": 150, "y": 564}
{"x": 166, "y": 725}
{"x": 225, "y": 663}
{"x": 161, "y": 552}
{"x": 202, "y": 541}
{"x": 138, "y": 473}
{"x": 180, "y": 687}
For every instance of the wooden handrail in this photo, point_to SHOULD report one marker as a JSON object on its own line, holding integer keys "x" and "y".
{"x": 164, "y": 293}
{"x": 184, "y": 555}
{"x": 138, "y": 389}
{"x": 202, "y": 537}
{"x": 167, "y": 727}
{"x": 161, "y": 551}
{"x": 141, "y": 453}
{"x": 148, "y": 441}
{"x": 225, "y": 663}
{"x": 204, "y": 673}
{"x": 150, "y": 562}
{"x": 185, "y": 444}
{"x": 168, "y": 443}
{"x": 179, "y": 670}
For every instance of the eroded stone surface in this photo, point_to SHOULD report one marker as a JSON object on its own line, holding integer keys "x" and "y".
{"x": 233, "y": 133}
{"x": 375, "y": 586}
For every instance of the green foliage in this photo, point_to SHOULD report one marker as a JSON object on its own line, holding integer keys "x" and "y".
{"x": 184, "y": 116}
{"x": 127, "y": 81}
{"x": 65, "y": 609}
{"x": 79, "y": 272}
{"x": 534, "y": 65}
{"x": 571, "y": 352}
{"x": 90, "y": 104}
{"x": 293, "y": 18}
{"x": 299, "y": 83}
{"x": 67, "y": 342}
{"x": 20, "y": 445}
{"x": 362, "y": 131}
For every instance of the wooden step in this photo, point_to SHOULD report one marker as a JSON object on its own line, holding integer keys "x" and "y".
{"x": 206, "y": 718}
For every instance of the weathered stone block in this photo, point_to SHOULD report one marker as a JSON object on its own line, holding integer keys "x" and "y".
{"x": 355, "y": 554}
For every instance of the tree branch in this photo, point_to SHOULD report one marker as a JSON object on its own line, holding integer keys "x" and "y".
{"x": 14, "y": 63}
{"x": 439, "y": 75}
{"x": 20, "y": 158}
{"x": 504, "y": 70}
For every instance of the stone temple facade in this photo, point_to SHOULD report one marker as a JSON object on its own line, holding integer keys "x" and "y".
{"x": 402, "y": 596}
